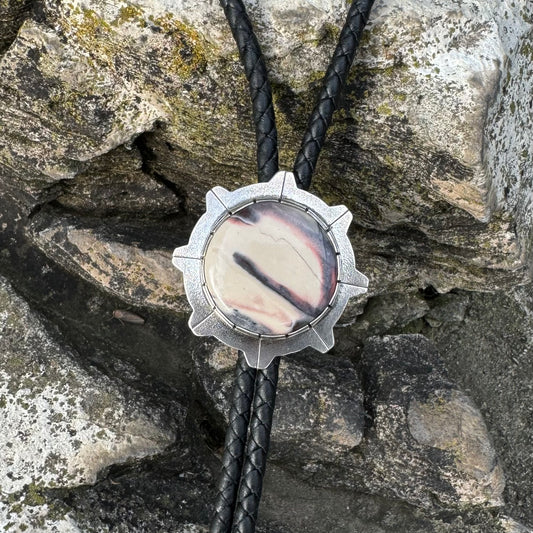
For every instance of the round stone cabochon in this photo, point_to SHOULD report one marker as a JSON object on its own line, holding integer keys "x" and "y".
{"x": 270, "y": 268}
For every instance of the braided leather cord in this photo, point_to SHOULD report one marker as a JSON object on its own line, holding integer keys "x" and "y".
{"x": 267, "y": 166}
{"x": 334, "y": 81}
{"x": 257, "y": 446}
{"x": 234, "y": 447}
{"x": 241, "y": 484}
{"x": 256, "y": 73}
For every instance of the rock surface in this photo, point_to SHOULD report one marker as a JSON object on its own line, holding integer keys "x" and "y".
{"x": 423, "y": 423}
{"x": 427, "y": 443}
{"x": 495, "y": 367}
{"x": 140, "y": 275}
{"x": 116, "y": 118}
{"x": 319, "y": 404}
{"x": 62, "y": 424}
{"x": 414, "y": 117}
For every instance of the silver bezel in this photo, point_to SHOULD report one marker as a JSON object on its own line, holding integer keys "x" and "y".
{"x": 207, "y": 319}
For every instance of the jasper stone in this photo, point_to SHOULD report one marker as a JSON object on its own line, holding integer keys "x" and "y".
{"x": 271, "y": 268}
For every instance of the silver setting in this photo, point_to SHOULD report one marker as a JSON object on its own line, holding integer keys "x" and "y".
{"x": 207, "y": 320}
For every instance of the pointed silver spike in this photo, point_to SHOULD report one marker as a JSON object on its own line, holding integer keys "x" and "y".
{"x": 202, "y": 324}
{"x": 351, "y": 276}
{"x": 252, "y": 354}
{"x": 324, "y": 339}
{"x": 282, "y": 180}
{"x": 181, "y": 256}
{"x": 217, "y": 200}
{"x": 340, "y": 217}
{"x": 354, "y": 290}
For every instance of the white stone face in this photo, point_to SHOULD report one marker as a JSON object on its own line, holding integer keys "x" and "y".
{"x": 62, "y": 424}
{"x": 270, "y": 268}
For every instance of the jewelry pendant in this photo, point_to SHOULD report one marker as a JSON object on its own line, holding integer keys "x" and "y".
{"x": 269, "y": 269}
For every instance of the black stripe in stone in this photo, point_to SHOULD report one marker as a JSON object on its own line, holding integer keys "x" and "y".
{"x": 267, "y": 281}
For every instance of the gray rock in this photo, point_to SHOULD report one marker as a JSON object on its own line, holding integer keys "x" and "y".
{"x": 62, "y": 424}
{"x": 319, "y": 405}
{"x": 30, "y": 514}
{"x": 12, "y": 13}
{"x": 512, "y": 526}
{"x": 141, "y": 275}
{"x": 319, "y": 509}
{"x": 116, "y": 185}
{"x": 405, "y": 455}
{"x": 428, "y": 441}
{"x": 451, "y": 422}
{"x": 389, "y": 312}
{"x": 447, "y": 309}
{"x": 489, "y": 355}
{"x": 405, "y": 153}
{"x": 172, "y": 492}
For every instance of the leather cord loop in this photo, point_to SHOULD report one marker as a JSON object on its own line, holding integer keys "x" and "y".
{"x": 248, "y": 433}
{"x": 328, "y": 100}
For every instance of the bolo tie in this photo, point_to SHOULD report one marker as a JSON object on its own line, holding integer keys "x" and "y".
{"x": 269, "y": 268}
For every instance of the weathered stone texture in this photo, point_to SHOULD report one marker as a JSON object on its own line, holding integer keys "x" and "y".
{"x": 412, "y": 399}
{"x": 319, "y": 404}
{"x": 61, "y": 423}
{"x": 117, "y": 117}
{"x": 508, "y": 141}
{"x": 12, "y": 14}
{"x": 140, "y": 276}
{"x": 319, "y": 430}
{"x": 407, "y": 152}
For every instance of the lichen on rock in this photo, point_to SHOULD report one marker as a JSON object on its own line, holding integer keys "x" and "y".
{"x": 62, "y": 424}
{"x": 117, "y": 117}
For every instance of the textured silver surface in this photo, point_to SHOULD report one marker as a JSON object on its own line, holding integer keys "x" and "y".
{"x": 207, "y": 320}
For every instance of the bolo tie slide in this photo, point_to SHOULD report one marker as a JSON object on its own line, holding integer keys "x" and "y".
{"x": 269, "y": 268}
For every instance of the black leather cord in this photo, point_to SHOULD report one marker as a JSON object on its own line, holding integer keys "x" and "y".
{"x": 334, "y": 81}
{"x": 257, "y": 446}
{"x": 267, "y": 166}
{"x": 234, "y": 447}
{"x": 256, "y": 72}
{"x": 241, "y": 481}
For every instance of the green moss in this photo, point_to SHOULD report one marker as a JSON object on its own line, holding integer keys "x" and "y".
{"x": 91, "y": 26}
{"x": 390, "y": 162}
{"x": 23, "y": 404}
{"x": 130, "y": 13}
{"x": 527, "y": 49}
{"x": 93, "y": 33}
{"x": 16, "y": 508}
{"x": 331, "y": 32}
{"x": 189, "y": 49}
{"x": 34, "y": 495}
{"x": 384, "y": 109}
{"x": 392, "y": 70}
{"x": 512, "y": 107}
{"x": 315, "y": 77}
